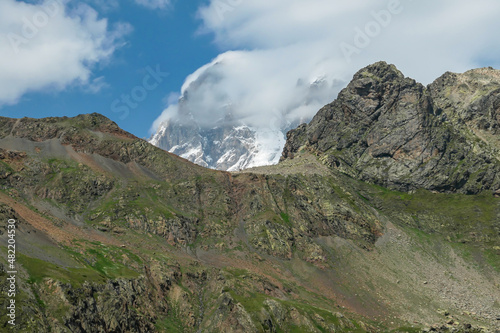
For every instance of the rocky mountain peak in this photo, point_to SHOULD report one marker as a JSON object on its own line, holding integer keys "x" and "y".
{"x": 390, "y": 130}
{"x": 381, "y": 71}
{"x": 470, "y": 99}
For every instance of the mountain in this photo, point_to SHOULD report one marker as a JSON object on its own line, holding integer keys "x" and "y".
{"x": 117, "y": 235}
{"x": 212, "y": 129}
{"x": 389, "y": 130}
{"x": 226, "y": 146}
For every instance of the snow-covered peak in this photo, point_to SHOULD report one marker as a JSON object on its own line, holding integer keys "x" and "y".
{"x": 225, "y": 147}
{"x": 228, "y": 127}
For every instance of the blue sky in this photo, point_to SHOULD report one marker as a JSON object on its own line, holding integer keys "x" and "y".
{"x": 166, "y": 38}
{"x": 269, "y": 62}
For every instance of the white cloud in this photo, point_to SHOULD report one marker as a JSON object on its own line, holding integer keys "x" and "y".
{"x": 154, "y": 4}
{"x": 277, "y": 49}
{"x": 239, "y": 82}
{"x": 96, "y": 85}
{"x": 48, "y": 45}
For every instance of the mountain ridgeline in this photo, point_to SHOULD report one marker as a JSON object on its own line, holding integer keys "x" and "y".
{"x": 390, "y": 130}
{"x": 383, "y": 215}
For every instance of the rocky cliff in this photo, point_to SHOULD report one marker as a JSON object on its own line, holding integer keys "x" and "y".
{"x": 390, "y": 130}
{"x": 116, "y": 235}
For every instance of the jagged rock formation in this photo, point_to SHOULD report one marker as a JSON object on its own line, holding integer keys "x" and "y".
{"x": 390, "y": 130}
{"x": 117, "y": 235}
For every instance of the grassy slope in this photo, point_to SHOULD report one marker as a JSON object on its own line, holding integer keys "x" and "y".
{"x": 425, "y": 237}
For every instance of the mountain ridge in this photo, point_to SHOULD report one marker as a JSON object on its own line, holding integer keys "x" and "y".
{"x": 118, "y": 235}
{"x": 390, "y": 130}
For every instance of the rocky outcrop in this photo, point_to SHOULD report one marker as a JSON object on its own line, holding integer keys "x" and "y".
{"x": 112, "y": 307}
{"x": 471, "y": 98}
{"x": 390, "y": 130}
{"x": 39, "y": 130}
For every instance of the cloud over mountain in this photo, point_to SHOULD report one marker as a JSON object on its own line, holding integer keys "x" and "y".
{"x": 284, "y": 59}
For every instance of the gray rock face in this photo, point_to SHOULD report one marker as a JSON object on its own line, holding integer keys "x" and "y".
{"x": 390, "y": 130}
{"x": 111, "y": 307}
{"x": 471, "y": 102}
{"x": 471, "y": 98}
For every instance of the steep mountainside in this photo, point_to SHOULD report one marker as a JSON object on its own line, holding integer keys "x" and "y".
{"x": 390, "y": 130}
{"x": 116, "y": 235}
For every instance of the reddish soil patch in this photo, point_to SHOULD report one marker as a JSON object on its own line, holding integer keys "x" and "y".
{"x": 61, "y": 234}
